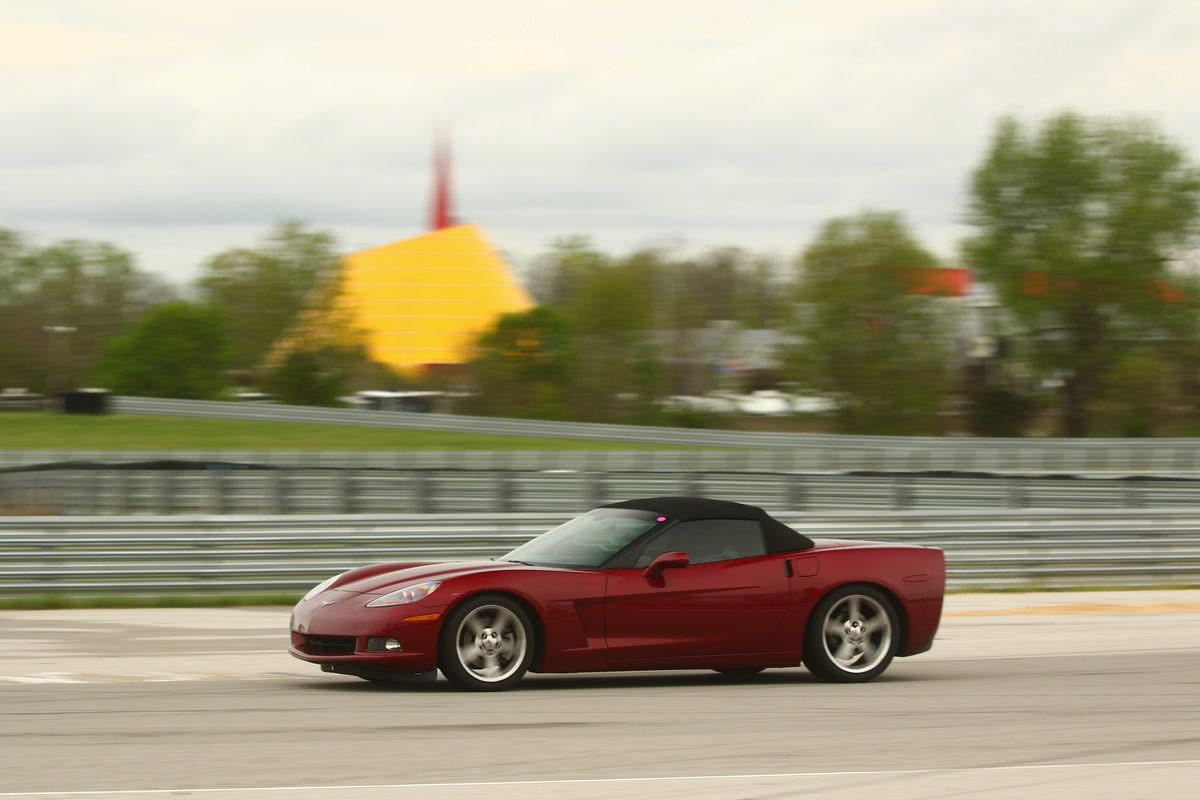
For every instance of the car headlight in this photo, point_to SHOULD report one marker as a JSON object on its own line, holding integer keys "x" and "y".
{"x": 322, "y": 586}
{"x": 409, "y": 594}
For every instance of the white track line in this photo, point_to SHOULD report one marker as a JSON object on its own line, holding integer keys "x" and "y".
{"x": 569, "y": 781}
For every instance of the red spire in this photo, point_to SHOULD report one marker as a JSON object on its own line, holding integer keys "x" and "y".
{"x": 440, "y": 215}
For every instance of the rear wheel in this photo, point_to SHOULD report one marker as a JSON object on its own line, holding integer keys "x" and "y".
{"x": 487, "y": 644}
{"x": 852, "y": 635}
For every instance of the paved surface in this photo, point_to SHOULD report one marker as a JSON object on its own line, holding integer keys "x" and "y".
{"x": 1057, "y": 695}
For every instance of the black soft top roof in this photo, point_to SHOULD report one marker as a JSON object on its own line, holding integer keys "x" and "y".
{"x": 779, "y": 537}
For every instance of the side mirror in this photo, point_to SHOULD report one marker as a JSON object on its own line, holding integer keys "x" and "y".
{"x": 674, "y": 559}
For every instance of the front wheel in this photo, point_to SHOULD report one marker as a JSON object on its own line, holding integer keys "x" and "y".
{"x": 487, "y": 644}
{"x": 852, "y": 635}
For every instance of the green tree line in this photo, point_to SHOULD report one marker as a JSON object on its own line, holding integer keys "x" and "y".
{"x": 1081, "y": 228}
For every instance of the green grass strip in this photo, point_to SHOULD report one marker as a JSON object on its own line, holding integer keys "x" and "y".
{"x": 39, "y": 431}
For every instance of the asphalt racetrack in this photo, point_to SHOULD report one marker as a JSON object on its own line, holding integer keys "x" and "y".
{"x": 1050, "y": 695}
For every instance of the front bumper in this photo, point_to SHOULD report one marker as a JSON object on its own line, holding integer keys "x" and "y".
{"x": 334, "y": 628}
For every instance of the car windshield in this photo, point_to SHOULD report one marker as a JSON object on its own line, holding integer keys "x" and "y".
{"x": 588, "y": 540}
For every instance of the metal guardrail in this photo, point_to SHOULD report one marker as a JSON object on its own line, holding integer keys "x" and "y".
{"x": 1182, "y": 460}
{"x": 250, "y": 553}
{"x": 858, "y": 452}
{"x": 777, "y": 460}
{"x": 229, "y": 488}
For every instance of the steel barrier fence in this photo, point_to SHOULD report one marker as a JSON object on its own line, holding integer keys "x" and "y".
{"x": 1071, "y": 455}
{"x": 257, "y": 490}
{"x": 1166, "y": 459}
{"x": 259, "y": 553}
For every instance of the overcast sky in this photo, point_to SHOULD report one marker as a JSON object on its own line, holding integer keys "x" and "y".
{"x": 177, "y": 129}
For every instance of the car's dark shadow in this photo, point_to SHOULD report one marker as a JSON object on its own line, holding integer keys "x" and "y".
{"x": 632, "y": 680}
{"x": 602, "y": 680}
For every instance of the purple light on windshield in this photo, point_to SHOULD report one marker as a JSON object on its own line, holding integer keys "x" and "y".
{"x": 662, "y": 519}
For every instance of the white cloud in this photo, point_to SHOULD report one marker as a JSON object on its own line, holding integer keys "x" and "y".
{"x": 179, "y": 129}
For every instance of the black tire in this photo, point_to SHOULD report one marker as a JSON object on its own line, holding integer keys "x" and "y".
{"x": 852, "y": 635}
{"x": 739, "y": 672}
{"x": 499, "y": 631}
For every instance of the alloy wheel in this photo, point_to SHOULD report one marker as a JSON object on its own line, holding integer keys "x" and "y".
{"x": 491, "y": 642}
{"x": 857, "y": 633}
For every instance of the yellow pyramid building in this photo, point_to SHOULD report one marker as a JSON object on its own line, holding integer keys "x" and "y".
{"x": 417, "y": 302}
{"x": 422, "y": 301}
{"x": 413, "y": 303}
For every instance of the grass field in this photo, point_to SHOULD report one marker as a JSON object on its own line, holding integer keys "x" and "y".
{"x": 28, "y": 431}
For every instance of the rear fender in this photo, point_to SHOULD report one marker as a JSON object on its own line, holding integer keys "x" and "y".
{"x": 914, "y": 578}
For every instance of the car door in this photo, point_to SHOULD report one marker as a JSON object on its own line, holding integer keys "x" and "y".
{"x": 729, "y": 600}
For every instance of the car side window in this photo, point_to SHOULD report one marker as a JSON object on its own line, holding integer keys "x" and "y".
{"x": 707, "y": 540}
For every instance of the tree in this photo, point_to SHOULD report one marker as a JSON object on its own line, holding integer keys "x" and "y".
{"x": 700, "y": 306}
{"x": 315, "y": 376}
{"x": 612, "y": 317}
{"x": 614, "y": 305}
{"x": 868, "y": 341}
{"x": 557, "y": 275}
{"x": 177, "y": 349}
{"x": 314, "y": 360}
{"x": 1077, "y": 224}
{"x": 262, "y": 290}
{"x": 725, "y": 283}
{"x": 1137, "y": 391}
{"x": 522, "y": 366}
{"x": 673, "y": 301}
{"x": 60, "y": 303}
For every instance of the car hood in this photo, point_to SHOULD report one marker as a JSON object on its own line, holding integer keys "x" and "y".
{"x": 389, "y": 577}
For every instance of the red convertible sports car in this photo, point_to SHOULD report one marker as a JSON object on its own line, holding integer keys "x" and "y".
{"x": 660, "y": 583}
